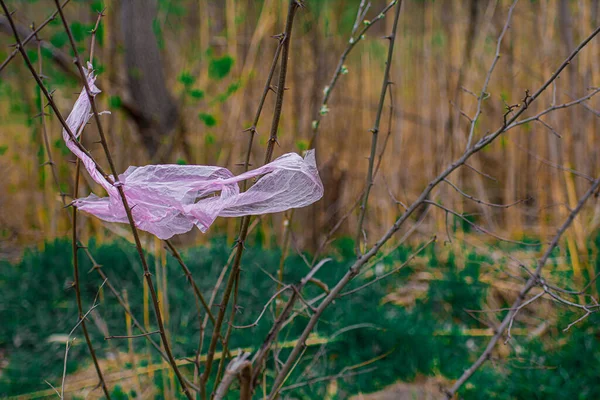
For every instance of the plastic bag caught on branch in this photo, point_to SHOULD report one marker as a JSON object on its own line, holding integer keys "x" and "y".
{"x": 170, "y": 199}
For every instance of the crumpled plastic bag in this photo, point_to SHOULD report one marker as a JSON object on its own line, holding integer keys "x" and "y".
{"x": 171, "y": 199}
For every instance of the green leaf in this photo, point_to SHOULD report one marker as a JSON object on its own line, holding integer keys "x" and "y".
{"x": 231, "y": 89}
{"x": 59, "y": 39}
{"x": 60, "y": 144}
{"x": 186, "y": 79}
{"x": 115, "y": 101}
{"x": 302, "y": 145}
{"x": 96, "y": 6}
{"x": 181, "y": 161}
{"x": 79, "y": 31}
{"x": 219, "y": 68}
{"x": 208, "y": 119}
{"x": 196, "y": 93}
{"x": 3, "y": 149}
{"x": 210, "y": 139}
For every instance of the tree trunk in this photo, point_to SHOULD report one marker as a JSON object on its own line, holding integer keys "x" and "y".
{"x": 155, "y": 111}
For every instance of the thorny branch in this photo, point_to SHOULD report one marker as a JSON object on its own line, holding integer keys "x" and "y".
{"x": 484, "y": 95}
{"x": 375, "y": 130}
{"x": 341, "y": 68}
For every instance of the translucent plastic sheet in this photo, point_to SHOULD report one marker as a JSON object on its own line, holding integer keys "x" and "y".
{"x": 171, "y": 199}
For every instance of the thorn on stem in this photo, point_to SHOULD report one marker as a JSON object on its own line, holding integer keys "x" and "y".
{"x": 239, "y": 242}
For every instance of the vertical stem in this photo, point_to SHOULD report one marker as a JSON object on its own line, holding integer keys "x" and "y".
{"x": 75, "y": 247}
{"x": 375, "y": 129}
{"x": 286, "y": 39}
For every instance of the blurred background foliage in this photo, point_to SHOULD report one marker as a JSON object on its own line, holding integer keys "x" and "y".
{"x": 187, "y": 101}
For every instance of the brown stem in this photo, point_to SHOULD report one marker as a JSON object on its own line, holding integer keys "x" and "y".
{"x": 131, "y": 336}
{"x": 285, "y": 40}
{"x": 229, "y": 327}
{"x": 75, "y": 247}
{"x": 375, "y": 129}
{"x": 354, "y": 39}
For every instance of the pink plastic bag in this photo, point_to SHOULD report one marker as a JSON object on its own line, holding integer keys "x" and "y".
{"x": 170, "y": 199}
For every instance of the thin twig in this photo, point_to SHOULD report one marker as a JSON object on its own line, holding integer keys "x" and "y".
{"x": 265, "y": 307}
{"x": 485, "y": 203}
{"x": 327, "y": 378}
{"x": 341, "y": 68}
{"x": 480, "y": 173}
{"x": 375, "y": 130}
{"x": 131, "y": 336}
{"x": 75, "y": 247}
{"x": 479, "y": 227}
{"x": 81, "y": 321}
{"x": 393, "y": 271}
{"x": 483, "y": 94}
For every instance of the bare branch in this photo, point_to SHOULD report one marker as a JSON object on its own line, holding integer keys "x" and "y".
{"x": 131, "y": 336}
{"x": 478, "y": 227}
{"x": 484, "y": 95}
{"x": 341, "y": 68}
{"x": 531, "y": 282}
{"x": 554, "y": 108}
{"x": 265, "y": 307}
{"x": 233, "y": 369}
{"x": 412, "y": 256}
{"x": 375, "y": 130}
{"x": 485, "y": 203}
